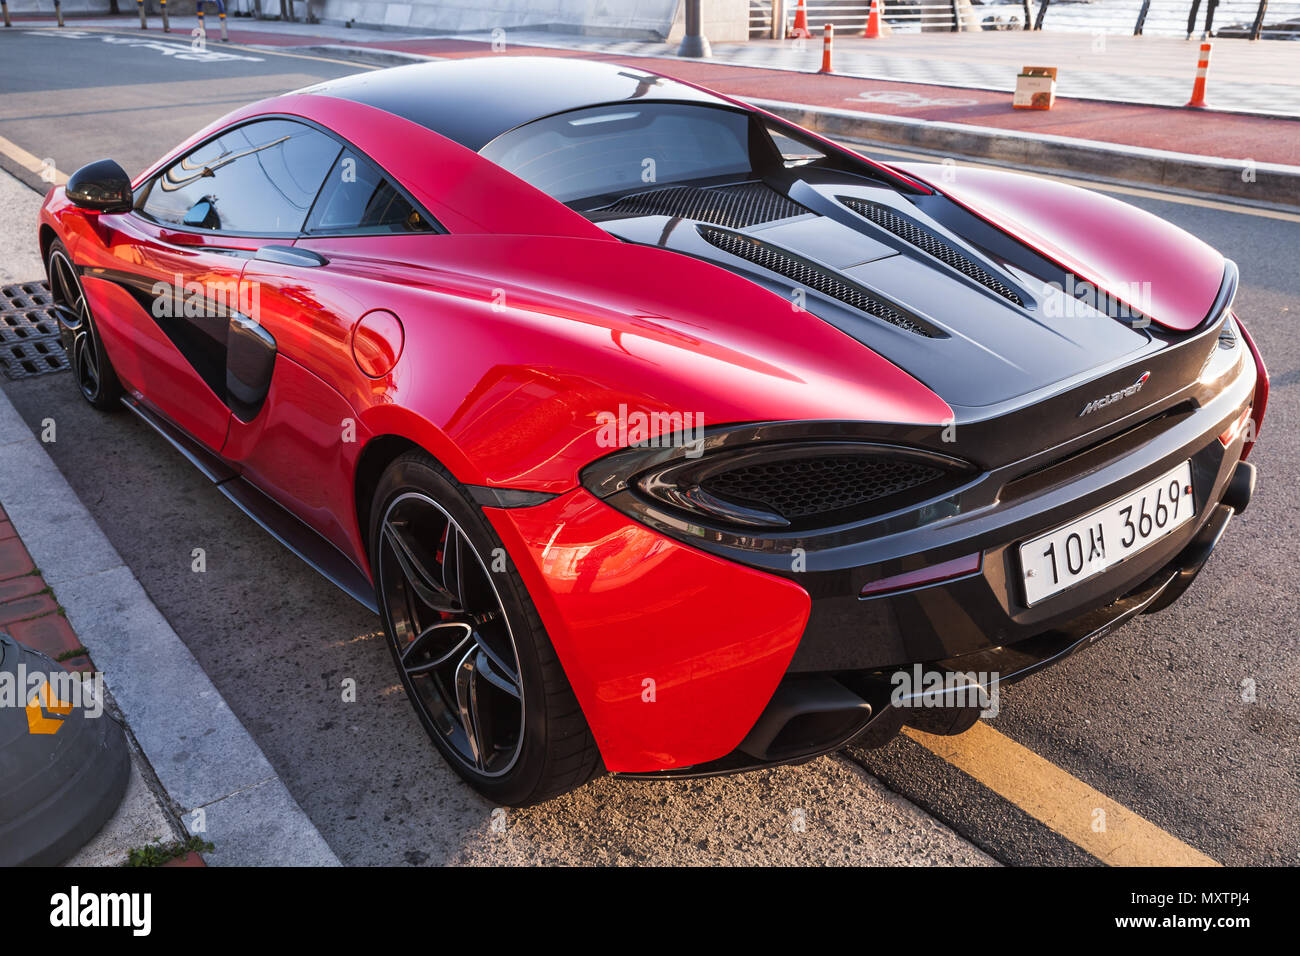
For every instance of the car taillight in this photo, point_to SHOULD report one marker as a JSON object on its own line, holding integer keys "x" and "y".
{"x": 1261, "y": 391}
{"x": 746, "y": 479}
{"x": 1230, "y": 434}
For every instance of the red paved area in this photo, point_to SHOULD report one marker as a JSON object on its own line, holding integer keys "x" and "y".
{"x": 14, "y": 559}
{"x": 28, "y": 610}
{"x": 189, "y": 859}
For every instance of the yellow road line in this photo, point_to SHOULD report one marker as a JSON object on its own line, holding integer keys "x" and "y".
{"x": 1112, "y": 833}
{"x": 30, "y": 161}
{"x": 1181, "y": 198}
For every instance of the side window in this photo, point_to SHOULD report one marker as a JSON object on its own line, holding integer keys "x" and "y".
{"x": 259, "y": 178}
{"x": 357, "y": 197}
{"x": 794, "y": 152}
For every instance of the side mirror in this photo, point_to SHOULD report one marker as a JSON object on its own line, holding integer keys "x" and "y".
{"x": 102, "y": 186}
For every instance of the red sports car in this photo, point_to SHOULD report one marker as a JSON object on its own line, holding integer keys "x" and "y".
{"x": 666, "y": 437}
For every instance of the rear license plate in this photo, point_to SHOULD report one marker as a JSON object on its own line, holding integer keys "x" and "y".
{"x": 1088, "y": 546}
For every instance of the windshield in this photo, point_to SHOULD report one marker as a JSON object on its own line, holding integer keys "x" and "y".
{"x": 613, "y": 149}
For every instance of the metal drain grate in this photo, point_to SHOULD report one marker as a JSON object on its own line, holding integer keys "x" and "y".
{"x": 29, "y": 332}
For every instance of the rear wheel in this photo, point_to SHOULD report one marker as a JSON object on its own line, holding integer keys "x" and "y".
{"x": 91, "y": 368}
{"x": 468, "y": 643}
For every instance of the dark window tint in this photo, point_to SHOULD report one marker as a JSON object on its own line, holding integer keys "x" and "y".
{"x": 613, "y": 149}
{"x": 357, "y": 197}
{"x": 260, "y": 178}
{"x": 794, "y": 152}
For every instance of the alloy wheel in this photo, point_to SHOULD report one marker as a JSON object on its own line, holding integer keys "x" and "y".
{"x": 74, "y": 312}
{"x": 450, "y": 634}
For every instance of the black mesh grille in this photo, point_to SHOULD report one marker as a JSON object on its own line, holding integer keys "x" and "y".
{"x": 929, "y": 243}
{"x": 29, "y": 332}
{"x": 804, "y": 273}
{"x": 744, "y": 204}
{"x": 806, "y": 487}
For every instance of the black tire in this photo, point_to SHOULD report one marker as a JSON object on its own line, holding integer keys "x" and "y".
{"x": 91, "y": 368}
{"x": 555, "y": 751}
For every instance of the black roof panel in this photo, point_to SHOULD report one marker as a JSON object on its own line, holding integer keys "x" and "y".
{"x": 475, "y": 100}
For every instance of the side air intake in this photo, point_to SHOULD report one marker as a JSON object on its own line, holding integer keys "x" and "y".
{"x": 929, "y": 243}
{"x": 812, "y": 276}
{"x": 737, "y": 206}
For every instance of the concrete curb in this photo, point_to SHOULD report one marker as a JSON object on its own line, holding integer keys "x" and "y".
{"x": 1273, "y": 182}
{"x": 365, "y": 55}
{"x": 203, "y": 757}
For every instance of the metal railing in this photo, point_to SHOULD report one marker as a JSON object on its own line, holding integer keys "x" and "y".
{"x": 1253, "y": 19}
{"x": 903, "y": 16}
{"x": 1257, "y": 19}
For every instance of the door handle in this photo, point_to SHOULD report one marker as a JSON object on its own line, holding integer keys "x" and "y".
{"x": 289, "y": 256}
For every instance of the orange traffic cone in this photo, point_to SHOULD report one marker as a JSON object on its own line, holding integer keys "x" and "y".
{"x": 828, "y": 34}
{"x": 872, "y": 31}
{"x": 800, "y": 28}
{"x": 1202, "y": 68}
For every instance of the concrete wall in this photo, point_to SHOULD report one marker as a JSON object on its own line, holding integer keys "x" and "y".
{"x": 626, "y": 18}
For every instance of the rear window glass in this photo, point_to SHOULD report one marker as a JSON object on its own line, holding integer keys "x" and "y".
{"x": 611, "y": 149}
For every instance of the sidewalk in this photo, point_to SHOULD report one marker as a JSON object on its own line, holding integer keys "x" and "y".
{"x": 196, "y": 771}
{"x": 30, "y": 615}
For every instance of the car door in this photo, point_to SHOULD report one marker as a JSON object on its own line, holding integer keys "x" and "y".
{"x": 301, "y": 449}
{"x": 196, "y": 226}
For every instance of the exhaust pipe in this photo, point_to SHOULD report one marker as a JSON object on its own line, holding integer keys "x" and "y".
{"x": 808, "y": 715}
{"x": 1241, "y": 486}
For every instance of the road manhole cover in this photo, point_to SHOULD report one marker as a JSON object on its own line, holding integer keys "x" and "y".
{"x": 29, "y": 332}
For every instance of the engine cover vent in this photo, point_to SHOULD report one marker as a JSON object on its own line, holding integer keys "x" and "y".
{"x": 812, "y": 276}
{"x": 737, "y": 206}
{"x": 929, "y": 243}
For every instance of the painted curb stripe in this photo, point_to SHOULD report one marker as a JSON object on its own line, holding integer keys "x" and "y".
{"x": 1060, "y": 801}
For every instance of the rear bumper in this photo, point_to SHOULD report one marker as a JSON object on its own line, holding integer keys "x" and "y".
{"x": 688, "y": 662}
{"x": 811, "y": 715}
{"x": 1015, "y": 661}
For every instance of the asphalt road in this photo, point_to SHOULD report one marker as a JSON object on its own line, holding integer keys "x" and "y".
{"x": 1153, "y": 716}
